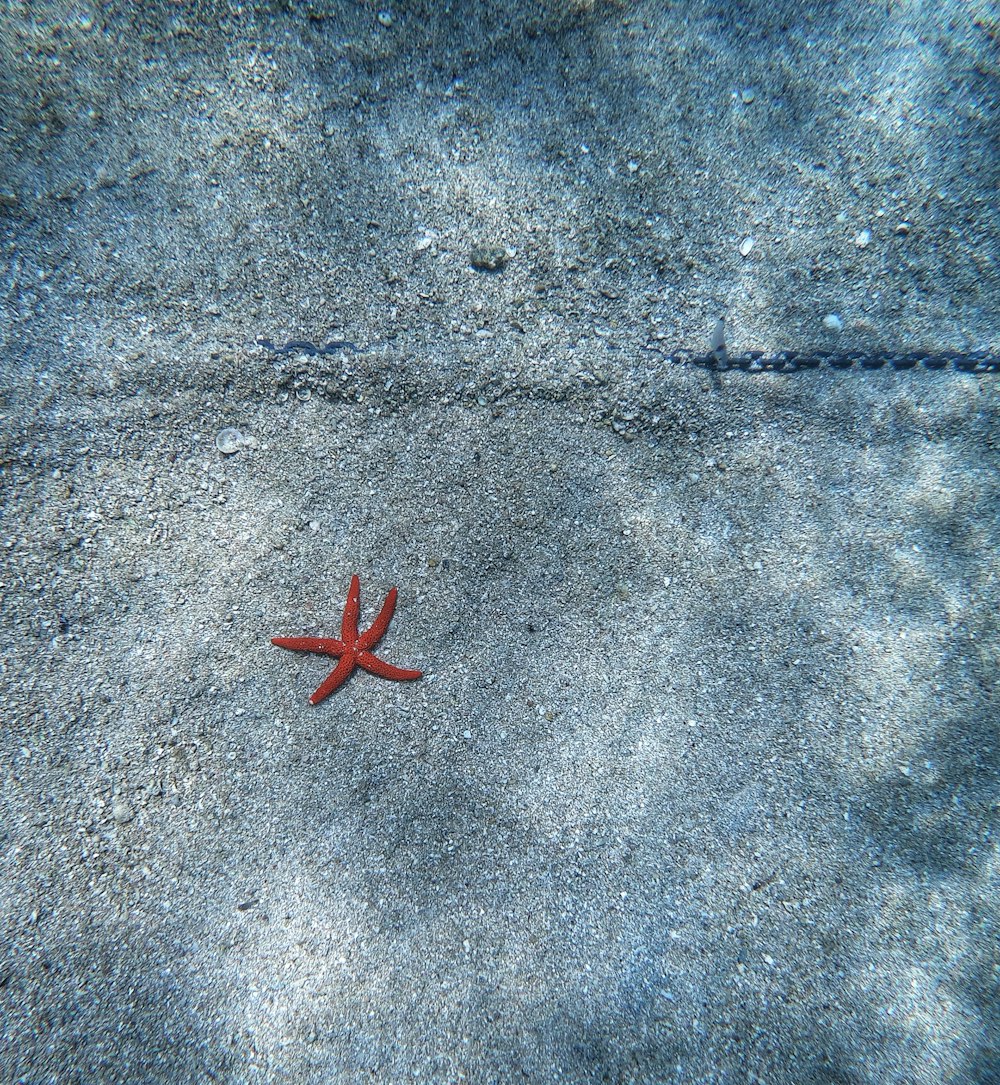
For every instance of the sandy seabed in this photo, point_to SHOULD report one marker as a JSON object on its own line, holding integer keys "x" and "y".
{"x": 701, "y": 782}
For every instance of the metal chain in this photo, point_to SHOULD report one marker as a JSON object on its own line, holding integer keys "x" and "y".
{"x": 750, "y": 361}
{"x": 758, "y": 361}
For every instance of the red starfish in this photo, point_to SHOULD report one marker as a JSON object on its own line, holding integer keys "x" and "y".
{"x": 354, "y": 650}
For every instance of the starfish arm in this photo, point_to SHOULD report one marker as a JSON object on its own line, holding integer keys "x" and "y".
{"x": 335, "y": 679}
{"x": 371, "y": 636}
{"x": 327, "y": 646}
{"x": 386, "y": 670}
{"x": 352, "y": 608}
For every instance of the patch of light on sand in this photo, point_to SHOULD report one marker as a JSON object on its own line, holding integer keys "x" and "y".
{"x": 609, "y": 767}
{"x": 302, "y": 970}
{"x": 917, "y": 983}
{"x": 918, "y": 1004}
{"x": 885, "y": 664}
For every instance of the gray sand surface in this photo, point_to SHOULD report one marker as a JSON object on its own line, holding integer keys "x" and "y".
{"x": 701, "y": 783}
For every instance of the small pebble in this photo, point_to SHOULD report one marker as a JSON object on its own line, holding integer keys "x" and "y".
{"x": 122, "y": 812}
{"x": 747, "y": 94}
{"x": 864, "y": 239}
{"x": 833, "y": 323}
{"x": 385, "y": 18}
{"x": 488, "y": 257}
{"x": 228, "y": 441}
{"x": 745, "y": 246}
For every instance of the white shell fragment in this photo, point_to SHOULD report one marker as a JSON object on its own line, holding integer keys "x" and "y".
{"x": 228, "y": 441}
{"x": 745, "y": 246}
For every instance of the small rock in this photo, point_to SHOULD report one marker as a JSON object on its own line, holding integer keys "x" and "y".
{"x": 122, "y": 812}
{"x": 833, "y": 323}
{"x": 746, "y": 245}
{"x": 864, "y": 239}
{"x": 385, "y": 18}
{"x": 488, "y": 257}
